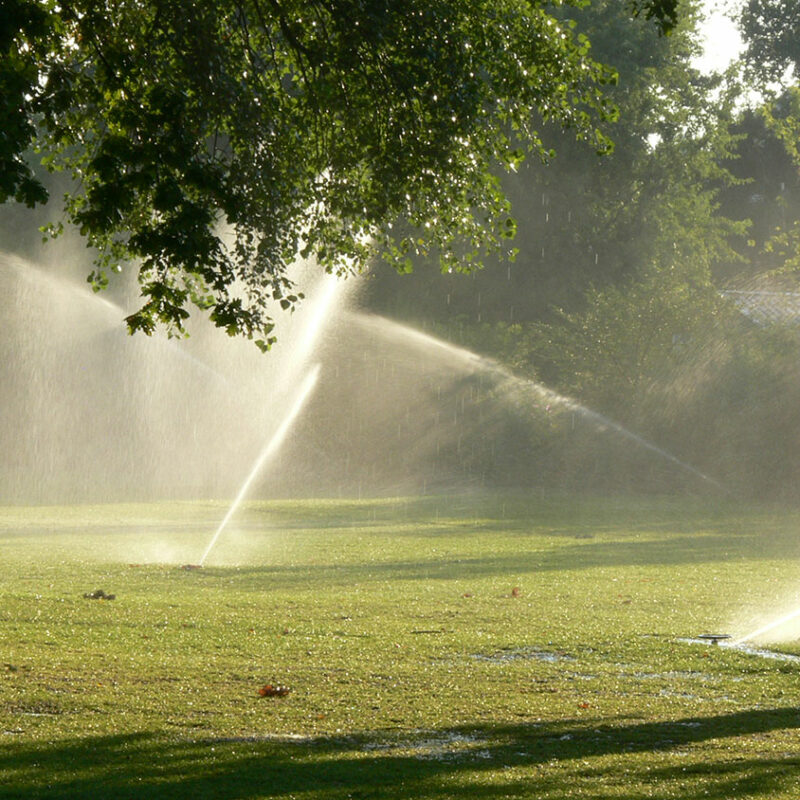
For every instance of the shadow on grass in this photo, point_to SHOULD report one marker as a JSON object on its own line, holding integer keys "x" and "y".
{"x": 538, "y": 760}
{"x": 439, "y": 515}
{"x": 570, "y": 556}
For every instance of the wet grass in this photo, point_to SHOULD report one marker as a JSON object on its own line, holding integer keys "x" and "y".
{"x": 470, "y": 647}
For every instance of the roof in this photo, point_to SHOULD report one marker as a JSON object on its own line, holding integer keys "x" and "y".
{"x": 765, "y": 307}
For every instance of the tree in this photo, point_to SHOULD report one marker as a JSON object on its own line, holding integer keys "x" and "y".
{"x": 614, "y": 281}
{"x": 342, "y": 129}
{"x": 628, "y": 336}
{"x": 588, "y": 222}
{"x": 766, "y": 190}
{"x": 771, "y": 31}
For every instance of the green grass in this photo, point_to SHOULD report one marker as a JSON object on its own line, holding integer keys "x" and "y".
{"x": 464, "y": 647}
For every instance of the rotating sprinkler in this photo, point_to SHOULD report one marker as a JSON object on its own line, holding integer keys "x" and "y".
{"x": 714, "y": 638}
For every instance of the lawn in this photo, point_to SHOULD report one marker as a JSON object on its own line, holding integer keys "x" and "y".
{"x": 440, "y": 647}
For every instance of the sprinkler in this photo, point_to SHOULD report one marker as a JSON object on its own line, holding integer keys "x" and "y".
{"x": 714, "y": 638}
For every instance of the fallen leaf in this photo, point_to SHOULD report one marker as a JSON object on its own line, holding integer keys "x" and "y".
{"x": 268, "y": 690}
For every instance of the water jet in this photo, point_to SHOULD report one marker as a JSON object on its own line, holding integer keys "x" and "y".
{"x": 399, "y": 411}
{"x": 272, "y": 446}
{"x": 776, "y": 623}
{"x": 517, "y": 390}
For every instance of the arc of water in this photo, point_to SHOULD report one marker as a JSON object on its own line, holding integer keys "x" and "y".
{"x": 328, "y": 296}
{"x": 271, "y": 447}
{"x": 37, "y": 276}
{"x": 768, "y": 627}
{"x": 477, "y": 362}
{"x": 113, "y": 314}
{"x": 601, "y": 419}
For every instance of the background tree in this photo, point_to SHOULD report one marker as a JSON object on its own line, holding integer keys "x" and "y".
{"x": 765, "y": 193}
{"x": 771, "y": 32}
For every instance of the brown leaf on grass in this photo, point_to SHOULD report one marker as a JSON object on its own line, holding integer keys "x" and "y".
{"x": 268, "y": 690}
{"x": 515, "y": 592}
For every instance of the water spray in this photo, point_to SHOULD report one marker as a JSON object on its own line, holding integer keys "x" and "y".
{"x": 604, "y": 421}
{"x": 726, "y": 641}
{"x": 271, "y": 447}
{"x": 478, "y": 363}
{"x": 768, "y": 627}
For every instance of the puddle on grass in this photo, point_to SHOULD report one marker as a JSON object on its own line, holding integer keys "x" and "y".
{"x": 688, "y": 675}
{"x": 749, "y": 650}
{"x": 441, "y": 747}
{"x": 434, "y": 747}
{"x": 763, "y": 653}
{"x": 37, "y": 710}
{"x": 280, "y": 738}
{"x": 524, "y": 654}
{"x": 679, "y": 695}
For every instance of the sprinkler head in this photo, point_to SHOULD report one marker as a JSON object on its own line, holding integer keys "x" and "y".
{"x": 192, "y": 566}
{"x": 714, "y": 638}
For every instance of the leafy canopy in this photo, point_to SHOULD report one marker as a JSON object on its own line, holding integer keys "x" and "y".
{"x": 212, "y": 141}
{"x": 771, "y": 31}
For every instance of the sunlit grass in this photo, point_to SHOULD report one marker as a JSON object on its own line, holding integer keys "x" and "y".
{"x": 434, "y": 647}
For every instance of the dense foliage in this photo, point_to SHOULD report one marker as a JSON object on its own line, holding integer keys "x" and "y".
{"x": 771, "y": 29}
{"x": 210, "y": 144}
{"x": 585, "y": 222}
